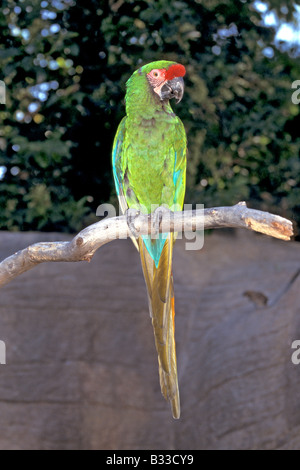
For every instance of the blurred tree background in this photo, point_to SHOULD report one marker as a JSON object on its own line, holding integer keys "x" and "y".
{"x": 65, "y": 64}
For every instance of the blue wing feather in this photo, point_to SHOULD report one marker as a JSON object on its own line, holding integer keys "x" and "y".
{"x": 117, "y": 153}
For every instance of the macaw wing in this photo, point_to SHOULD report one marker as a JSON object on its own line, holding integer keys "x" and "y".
{"x": 179, "y": 175}
{"x": 119, "y": 163}
{"x": 118, "y": 157}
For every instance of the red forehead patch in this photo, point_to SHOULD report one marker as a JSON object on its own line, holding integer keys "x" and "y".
{"x": 176, "y": 70}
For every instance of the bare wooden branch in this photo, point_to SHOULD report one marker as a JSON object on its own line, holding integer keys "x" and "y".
{"x": 86, "y": 243}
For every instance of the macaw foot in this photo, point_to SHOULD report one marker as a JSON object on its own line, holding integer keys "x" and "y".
{"x": 156, "y": 218}
{"x": 131, "y": 216}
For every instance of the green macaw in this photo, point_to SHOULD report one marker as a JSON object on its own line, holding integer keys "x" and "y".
{"x": 149, "y": 165}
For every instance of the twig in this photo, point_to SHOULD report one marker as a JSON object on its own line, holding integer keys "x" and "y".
{"x": 86, "y": 243}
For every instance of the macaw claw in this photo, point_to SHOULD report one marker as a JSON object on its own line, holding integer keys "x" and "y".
{"x": 131, "y": 216}
{"x": 156, "y": 218}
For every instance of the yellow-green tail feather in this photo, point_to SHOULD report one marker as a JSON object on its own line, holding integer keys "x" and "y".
{"x": 159, "y": 282}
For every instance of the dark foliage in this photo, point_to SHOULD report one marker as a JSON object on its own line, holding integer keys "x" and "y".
{"x": 65, "y": 65}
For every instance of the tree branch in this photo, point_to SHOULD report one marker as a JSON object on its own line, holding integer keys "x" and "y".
{"x": 86, "y": 243}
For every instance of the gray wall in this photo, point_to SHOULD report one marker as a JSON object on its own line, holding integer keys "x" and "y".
{"x": 81, "y": 368}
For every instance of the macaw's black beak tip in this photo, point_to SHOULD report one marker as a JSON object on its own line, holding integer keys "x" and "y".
{"x": 177, "y": 85}
{"x": 173, "y": 89}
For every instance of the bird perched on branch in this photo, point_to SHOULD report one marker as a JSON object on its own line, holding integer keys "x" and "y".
{"x": 149, "y": 165}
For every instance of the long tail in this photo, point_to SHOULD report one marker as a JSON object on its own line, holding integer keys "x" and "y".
{"x": 159, "y": 283}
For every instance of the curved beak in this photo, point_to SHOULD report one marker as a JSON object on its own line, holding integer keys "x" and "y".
{"x": 172, "y": 89}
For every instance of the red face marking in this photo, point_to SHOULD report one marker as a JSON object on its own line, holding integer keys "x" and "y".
{"x": 176, "y": 70}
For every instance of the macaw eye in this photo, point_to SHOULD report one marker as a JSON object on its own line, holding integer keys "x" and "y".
{"x": 156, "y": 77}
{"x": 156, "y": 73}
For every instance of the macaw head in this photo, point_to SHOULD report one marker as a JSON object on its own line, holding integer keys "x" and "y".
{"x": 164, "y": 79}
